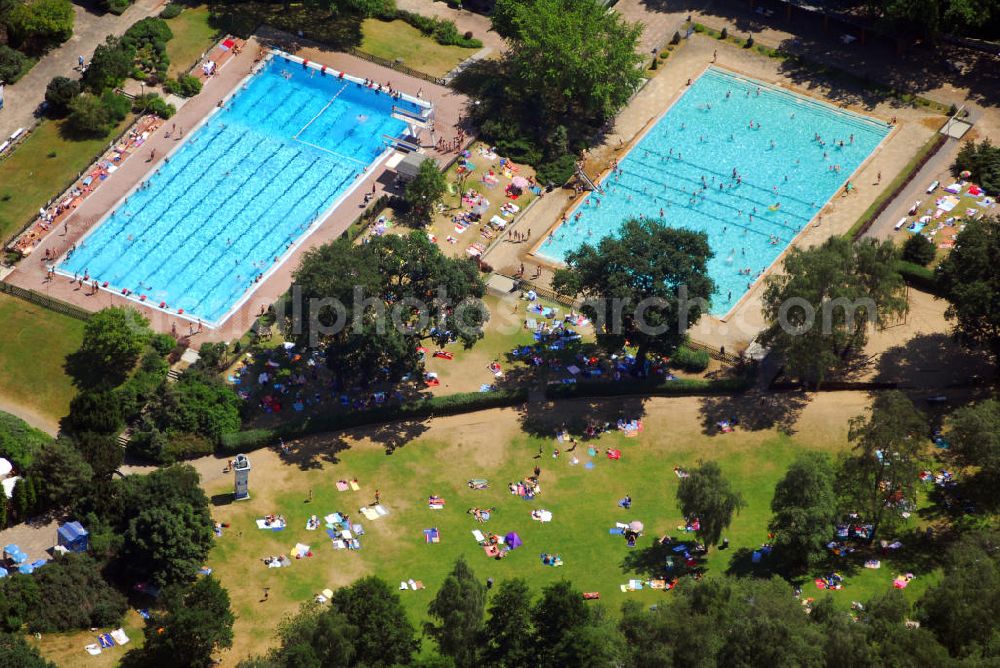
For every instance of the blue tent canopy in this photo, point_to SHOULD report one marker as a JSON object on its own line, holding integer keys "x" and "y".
{"x": 73, "y": 537}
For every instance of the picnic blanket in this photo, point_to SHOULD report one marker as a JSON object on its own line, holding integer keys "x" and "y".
{"x": 300, "y": 550}
{"x": 120, "y": 637}
{"x": 342, "y": 486}
{"x": 541, "y": 515}
{"x": 274, "y": 526}
{"x": 93, "y": 649}
{"x": 355, "y": 486}
{"x": 478, "y": 535}
{"x": 410, "y": 584}
{"x": 432, "y": 535}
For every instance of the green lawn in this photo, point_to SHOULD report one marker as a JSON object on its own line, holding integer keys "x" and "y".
{"x": 42, "y": 167}
{"x": 34, "y": 343}
{"x": 397, "y": 39}
{"x": 491, "y": 446}
{"x": 193, "y": 36}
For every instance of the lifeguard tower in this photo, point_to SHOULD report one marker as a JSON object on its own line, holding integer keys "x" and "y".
{"x": 241, "y": 468}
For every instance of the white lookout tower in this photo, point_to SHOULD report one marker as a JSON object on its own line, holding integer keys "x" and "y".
{"x": 242, "y": 470}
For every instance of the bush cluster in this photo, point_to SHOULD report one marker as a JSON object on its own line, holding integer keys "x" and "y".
{"x": 441, "y": 30}
{"x": 185, "y": 85}
{"x": 688, "y": 359}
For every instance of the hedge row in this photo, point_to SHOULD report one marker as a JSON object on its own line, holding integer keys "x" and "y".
{"x": 451, "y": 404}
{"x": 442, "y": 31}
{"x": 918, "y": 277}
{"x": 680, "y": 387}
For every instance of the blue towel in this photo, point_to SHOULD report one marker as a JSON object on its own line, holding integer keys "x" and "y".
{"x": 588, "y": 465}
{"x": 144, "y": 613}
{"x": 204, "y": 571}
{"x": 277, "y": 528}
{"x": 680, "y": 548}
{"x": 331, "y": 533}
{"x": 616, "y": 531}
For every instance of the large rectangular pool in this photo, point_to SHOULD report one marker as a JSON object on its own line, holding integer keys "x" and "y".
{"x": 241, "y": 191}
{"x": 745, "y": 162}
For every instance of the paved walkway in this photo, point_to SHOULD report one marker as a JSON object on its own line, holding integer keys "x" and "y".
{"x": 21, "y": 100}
{"x": 30, "y": 415}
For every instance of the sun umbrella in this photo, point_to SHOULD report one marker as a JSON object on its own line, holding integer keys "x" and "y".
{"x": 520, "y": 181}
{"x": 965, "y": 174}
{"x": 636, "y": 526}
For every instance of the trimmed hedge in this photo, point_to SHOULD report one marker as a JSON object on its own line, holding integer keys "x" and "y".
{"x": 921, "y": 278}
{"x": 451, "y": 404}
{"x": 656, "y": 387}
{"x": 442, "y": 31}
{"x": 687, "y": 359}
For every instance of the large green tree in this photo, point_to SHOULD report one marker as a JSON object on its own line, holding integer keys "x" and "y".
{"x": 194, "y": 622}
{"x": 963, "y": 609}
{"x": 424, "y": 192}
{"x": 557, "y": 615}
{"x": 975, "y": 436}
{"x": 458, "y": 610}
{"x": 878, "y": 479}
{"x": 508, "y": 632}
{"x": 970, "y": 282}
{"x": 804, "y": 510}
{"x": 645, "y": 286}
{"x": 706, "y": 495}
{"x": 62, "y": 473}
{"x": 113, "y": 340}
{"x": 36, "y": 25}
{"x": 821, "y": 307}
{"x": 570, "y": 58}
{"x": 382, "y": 632}
{"x": 370, "y": 305}
{"x": 167, "y": 544}
{"x": 110, "y": 65}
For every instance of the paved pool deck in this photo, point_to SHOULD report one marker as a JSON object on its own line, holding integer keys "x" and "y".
{"x": 736, "y": 329}
{"x": 30, "y": 273}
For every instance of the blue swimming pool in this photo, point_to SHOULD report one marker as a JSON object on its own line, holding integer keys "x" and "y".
{"x": 682, "y": 171}
{"x": 240, "y": 191}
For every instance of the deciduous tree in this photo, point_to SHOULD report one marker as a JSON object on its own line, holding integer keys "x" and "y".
{"x": 509, "y": 632}
{"x": 458, "y": 610}
{"x": 878, "y": 479}
{"x": 804, "y": 509}
{"x": 646, "y": 286}
{"x": 704, "y": 494}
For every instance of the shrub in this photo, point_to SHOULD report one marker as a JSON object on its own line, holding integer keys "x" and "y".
{"x": 111, "y": 64}
{"x": 171, "y": 11}
{"x": 654, "y": 64}
{"x": 19, "y": 441}
{"x": 98, "y": 412}
{"x": 39, "y": 24}
{"x": 556, "y": 172}
{"x": 676, "y": 39}
{"x": 117, "y": 7}
{"x": 918, "y": 249}
{"x": 198, "y": 403}
{"x": 664, "y": 54}
{"x": 724, "y": 34}
{"x": 149, "y": 445}
{"x": 186, "y": 446}
{"x": 185, "y": 85}
{"x": 60, "y": 92}
{"x": 12, "y": 64}
{"x": 919, "y": 277}
{"x": 749, "y": 43}
{"x": 153, "y": 104}
{"x": 687, "y": 359}
{"x": 117, "y": 106}
{"x": 163, "y": 344}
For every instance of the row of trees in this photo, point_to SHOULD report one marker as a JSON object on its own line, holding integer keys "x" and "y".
{"x": 711, "y": 622}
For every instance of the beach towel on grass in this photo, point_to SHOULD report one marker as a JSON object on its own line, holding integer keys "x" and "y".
{"x": 355, "y": 486}
{"x": 341, "y": 486}
{"x": 432, "y": 536}
{"x": 274, "y": 526}
{"x": 105, "y": 641}
{"x": 333, "y": 518}
{"x": 120, "y": 637}
{"x": 381, "y": 510}
{"x": 478, "y": 535}
{"x": 369, "y": 513}
{"x": 616, "y": 531}
{"x": 93, "y": 649}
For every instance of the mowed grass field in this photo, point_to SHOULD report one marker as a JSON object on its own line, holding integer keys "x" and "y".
{"x": 33, "y": 347}
{"x": 193, "y": 36}
{"x": 398, "y": 39}
{"x": 441, "y": 456}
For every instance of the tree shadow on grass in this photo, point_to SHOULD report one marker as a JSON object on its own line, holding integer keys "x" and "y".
{"x": 741, "y": 564}
{"x": 319, "y": 450}
{"x": 753, "y": 410}
{"x": 651, "y": 561}
{"x": 544, "y": 418}
{"x": 933, "y": 361}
